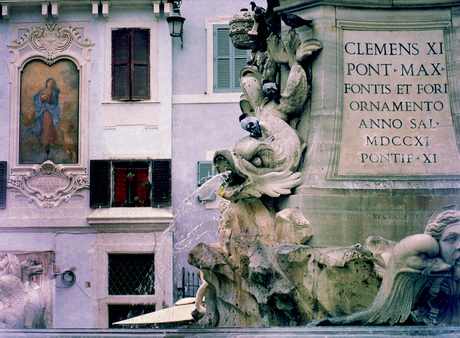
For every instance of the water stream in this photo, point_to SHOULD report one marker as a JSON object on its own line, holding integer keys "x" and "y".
{"x": 190, "y": 211}
{"x": 192, "y": 224}
{"x": 209, "y": 187}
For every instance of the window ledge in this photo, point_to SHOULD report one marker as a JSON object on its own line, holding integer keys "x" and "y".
{"x": 207, "y": 98}
{"x": 136, "y": 219}
{"x": 151, "y": 102}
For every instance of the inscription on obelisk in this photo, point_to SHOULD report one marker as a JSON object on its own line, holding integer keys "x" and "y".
{"x": 396, "y": 113}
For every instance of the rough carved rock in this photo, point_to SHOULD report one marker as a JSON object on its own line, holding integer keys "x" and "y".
{"x": 291, "y": 227}
{"x": 256, "y": 281}
{"x": 271, "y": 278}
{"x": 288, "y": 285}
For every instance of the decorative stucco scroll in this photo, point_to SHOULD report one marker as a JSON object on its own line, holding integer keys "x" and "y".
{"x": 48, "y": 185}
{"x": 51, "y": 40}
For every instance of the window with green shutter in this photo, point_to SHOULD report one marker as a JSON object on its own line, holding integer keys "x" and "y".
{"x": 205, "y": 171}
{"x": 130, "y": 64}
{"x": 136, "y": 183}
{"x": 228, "y": 61}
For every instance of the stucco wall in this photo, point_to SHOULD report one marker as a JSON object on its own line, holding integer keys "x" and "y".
{"x": 65, "y": 229}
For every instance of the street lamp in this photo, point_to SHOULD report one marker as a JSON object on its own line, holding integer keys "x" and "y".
{"x": 176, "y": 21}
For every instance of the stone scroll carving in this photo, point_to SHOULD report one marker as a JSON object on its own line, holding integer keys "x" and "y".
{"x": 51, "y": 40}
{"x": 48, "y": 185}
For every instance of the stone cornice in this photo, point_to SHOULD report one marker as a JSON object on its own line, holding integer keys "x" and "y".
{"x": 287, "y": 5}
{"x": 98, "y": 7}
{"x": 133, "y": 219}
{"x": 79, "y": 2}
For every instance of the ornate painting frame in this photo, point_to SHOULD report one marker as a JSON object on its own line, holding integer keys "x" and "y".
{"x": 49, "y": 74}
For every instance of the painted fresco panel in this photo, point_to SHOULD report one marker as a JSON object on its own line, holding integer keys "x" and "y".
{"x": 49, "y": 113}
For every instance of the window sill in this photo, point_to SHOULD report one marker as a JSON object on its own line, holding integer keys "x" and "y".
{"x": 130, "y": 102}
{"x": 133, "y": 219}
{"x": 207, "y": 98}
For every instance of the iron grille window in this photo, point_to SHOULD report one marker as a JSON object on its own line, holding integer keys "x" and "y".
{"x": 130, "y": 183}
{"x": 130, "y": 64}
{"x": 131, "y": 274}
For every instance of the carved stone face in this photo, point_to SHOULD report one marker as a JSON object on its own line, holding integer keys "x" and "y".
{"x": 259, "y": 167}
{"x": 449, "y": 244}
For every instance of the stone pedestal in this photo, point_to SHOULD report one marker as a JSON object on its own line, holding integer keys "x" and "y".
{"x": 382, "y": 126}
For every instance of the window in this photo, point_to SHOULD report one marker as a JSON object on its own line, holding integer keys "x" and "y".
{"x": 228, "y": 61}
{"x": 131, "y": 274}
{"x": 131, "y": 270}
{"x": 130, "y": 64}
{"x": 3, "y": 173}
{"x": 205, "y": 170}
{"x": 130, "y": 183}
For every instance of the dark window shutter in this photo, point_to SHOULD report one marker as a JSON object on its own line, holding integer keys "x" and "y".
{"x": 140, "y": 85}
{"x": 99, "y": 196}
{"x": 161, "y": 183}
{"x": 131, "y": 64}
{"x": 141, "y": 45}
{"x": 121, "y": 48}
{"x": 3, "y": 174}
{"x": 140, "y": 64}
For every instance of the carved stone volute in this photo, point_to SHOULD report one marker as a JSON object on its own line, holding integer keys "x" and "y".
{"x": 51, "y": 40}
{"x": 48, "y": 185}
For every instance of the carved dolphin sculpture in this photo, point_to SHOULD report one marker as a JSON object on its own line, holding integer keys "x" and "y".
{"x": 264, "y": 166}
{"x": 267, "y": 165}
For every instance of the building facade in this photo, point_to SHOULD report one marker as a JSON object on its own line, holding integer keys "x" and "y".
{"x": 108, "y": 125}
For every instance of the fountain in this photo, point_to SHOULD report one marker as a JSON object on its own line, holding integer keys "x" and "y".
{"x": 266, "y": 269}
{"x": 262, "y": 272}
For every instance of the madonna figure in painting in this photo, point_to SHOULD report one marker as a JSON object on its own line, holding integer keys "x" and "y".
{"x": 46, "y": 122}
